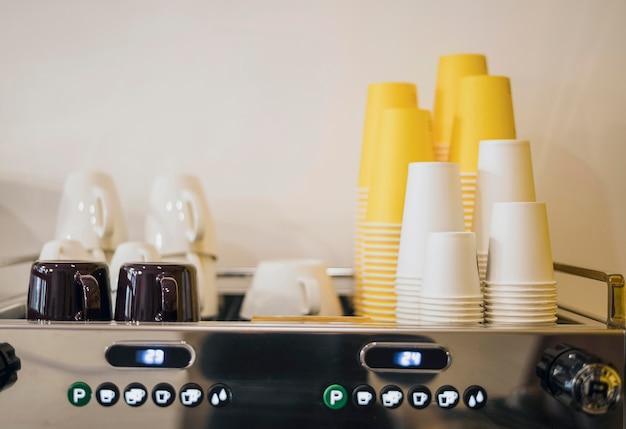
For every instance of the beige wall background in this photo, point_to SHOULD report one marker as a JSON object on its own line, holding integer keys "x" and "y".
{"x": 264, "y": 101}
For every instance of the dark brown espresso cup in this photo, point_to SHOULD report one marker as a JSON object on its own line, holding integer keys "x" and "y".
{"x": 69, "y": 291}
{"x": 157, "y": 292}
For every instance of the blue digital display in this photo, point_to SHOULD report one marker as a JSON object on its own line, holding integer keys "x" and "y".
{"x": 408, "y": 359}
{"x": 152, "y": 357}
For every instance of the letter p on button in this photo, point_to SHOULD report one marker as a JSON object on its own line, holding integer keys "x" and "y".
{"x": 79, "y": 394}
{"x": 335, "y": 397}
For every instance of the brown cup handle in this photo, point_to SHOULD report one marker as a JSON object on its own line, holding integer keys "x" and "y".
{"x": 169, "y": 294}
{"x": 91, "y": 294}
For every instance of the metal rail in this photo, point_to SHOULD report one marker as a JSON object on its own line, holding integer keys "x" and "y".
{"x": 616, "y": 304}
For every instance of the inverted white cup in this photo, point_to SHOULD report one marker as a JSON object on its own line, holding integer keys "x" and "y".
{"x": 432, "y": 203}
{"x": 128, "y": 252}
{"x": 179, "y": 218}
{"x": 519, "y": 244}
{"x": 450, "y": 268}
{"x": 206, "y": 271}
{"x": 505, "y": 174}
{"x": 67, "y": 250}
{"x": 90, "y": 211}
{"x": 291, "y": 287}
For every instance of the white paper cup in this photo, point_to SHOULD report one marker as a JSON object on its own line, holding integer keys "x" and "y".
{"x": 521, "y": 321}
{"x": 505, "y": 174}
{"x": 432, "y": 203}
{"x": 450, "y": 268}
{"x": 519, "y": 244}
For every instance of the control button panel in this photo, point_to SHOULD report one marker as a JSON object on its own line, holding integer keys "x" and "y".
{"x": 392, "y": 396}
{"x": 163, "y": 394}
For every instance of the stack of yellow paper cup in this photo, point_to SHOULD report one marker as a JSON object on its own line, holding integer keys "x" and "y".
{"x": 380, "y": 96}
{"x": 404, "y": 138}
{"x": 450, "y": 70}
{"x": 483, "y": 111}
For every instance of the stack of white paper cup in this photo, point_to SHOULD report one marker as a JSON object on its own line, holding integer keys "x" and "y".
{"x": 520, "y": 288}
{"x": 450, "y": 292}
{"x": 505, "y": 174}
{"x": 432, "y": 203}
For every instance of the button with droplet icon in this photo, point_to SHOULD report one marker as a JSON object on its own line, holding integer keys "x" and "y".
{"x": 475, "y": 397}
{"x": 220, "y": 395}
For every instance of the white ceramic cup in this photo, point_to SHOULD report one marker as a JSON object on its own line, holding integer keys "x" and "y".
{"x": 66, "y": 250}
{"x": 291, "y": 287}
{"x": 128, "y": 252}
{"x": 206, "y": 271}
{"x": 179, "y": 218}
{"x": 505, "y": 174}
{"x": 519, "y": 244}
{"x": 90, "y": 211}
{"x": 432, "y": 203}
{"x": 450, "y": 268}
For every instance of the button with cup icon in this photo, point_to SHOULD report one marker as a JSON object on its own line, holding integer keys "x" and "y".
{"x": 419, "y": 397}
{"x": 363, "y": 396}
{"x": 447, "y": 397}
{"x": 107, "y": 394}
{"x": 191, "y": 395}
{"x": 163, "y": 394}
{"x": 135, "y": 394}
{"x": 391, "y": 396}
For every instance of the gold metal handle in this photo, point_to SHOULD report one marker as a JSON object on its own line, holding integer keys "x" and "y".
{"x": 616, "y": 313}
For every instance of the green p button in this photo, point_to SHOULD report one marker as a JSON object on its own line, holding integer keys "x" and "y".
{"x": 79, "y": 394}
{"x": 335, "y": 397}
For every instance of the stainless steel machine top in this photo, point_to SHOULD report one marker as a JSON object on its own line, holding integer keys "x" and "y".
{"x": 313, "y": 373}
{"x": 308, "y": 375}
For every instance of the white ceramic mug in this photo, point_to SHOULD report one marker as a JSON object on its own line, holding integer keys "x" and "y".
{"x": 90, "y": 212}
{"x": 179, "y": 218}
{"x": 130, "y": 251}
{"x": 66, "y": 250}
{"x": 291, "y": 287}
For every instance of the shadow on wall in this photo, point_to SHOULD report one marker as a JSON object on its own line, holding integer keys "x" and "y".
{"x": 27, "y": 220}
{"x": 27, "y": 217}
{"x": 581, "y": 230}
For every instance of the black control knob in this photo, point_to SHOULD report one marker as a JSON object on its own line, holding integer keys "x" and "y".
{"x": 9, "y": 365}
{"x": 579, "y": 379}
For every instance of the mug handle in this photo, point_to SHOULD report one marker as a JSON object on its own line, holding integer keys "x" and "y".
{"x": 104, "y": 221}
{"x": 311, "y": 292}
{"x": 169, "y": 295}
{"x": 91, "y": 294}
{"x": 194, "y": 229}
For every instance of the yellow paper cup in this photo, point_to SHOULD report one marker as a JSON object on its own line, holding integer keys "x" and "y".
{"x": 484, "y": 111}
{"x": 381, "y": 96}
{"x": 450, "y": 70}
{"x": 404, "y": 138}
